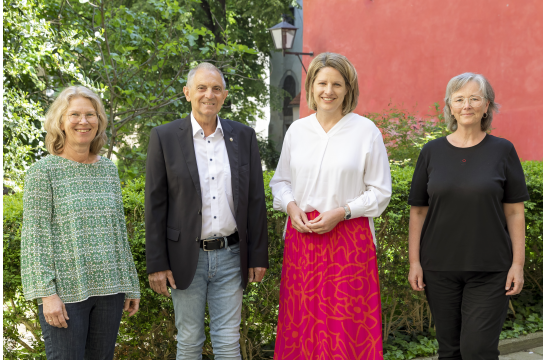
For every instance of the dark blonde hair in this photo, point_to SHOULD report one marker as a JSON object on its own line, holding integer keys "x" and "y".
{"x": 347, "y": 70}
{"x": 55, "y": 138}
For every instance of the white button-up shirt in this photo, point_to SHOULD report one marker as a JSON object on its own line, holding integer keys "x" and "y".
{"x": 323, "y": 171}
{"x": 218, "y": 210}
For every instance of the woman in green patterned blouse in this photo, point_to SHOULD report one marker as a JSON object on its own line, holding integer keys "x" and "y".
{"x": 75, "y": 257}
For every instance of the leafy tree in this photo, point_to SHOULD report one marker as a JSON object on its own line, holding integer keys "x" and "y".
{"x": 35, "y": 56}
{"x": 228, "y": 21}
{"x": 136, "y": 55}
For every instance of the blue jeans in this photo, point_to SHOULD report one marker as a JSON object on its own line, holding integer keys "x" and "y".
{"x": 91, "y": 332}
{"x": 218, "y": 281}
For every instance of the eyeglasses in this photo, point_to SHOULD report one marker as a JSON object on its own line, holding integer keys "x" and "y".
{"x": 474, "y": 101}
{"x": 75, "y": 118}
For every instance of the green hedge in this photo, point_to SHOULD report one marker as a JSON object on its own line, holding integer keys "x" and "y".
{"x": 408, "y": 327}
{"x": 407, "y": 324}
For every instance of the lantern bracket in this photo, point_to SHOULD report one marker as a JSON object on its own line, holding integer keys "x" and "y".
{"x": 283, "y": 35}
{"x": 298, "y": 55}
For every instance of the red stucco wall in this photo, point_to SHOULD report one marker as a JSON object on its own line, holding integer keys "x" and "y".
{"x": 406, "y": 51}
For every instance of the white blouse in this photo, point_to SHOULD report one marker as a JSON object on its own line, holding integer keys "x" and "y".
{"x": 323, "y": 171}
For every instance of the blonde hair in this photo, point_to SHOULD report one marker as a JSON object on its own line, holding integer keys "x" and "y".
{"x": 347, "y": 70}
{"x": 458, "y": 82}
{"x": 55, "y": 138}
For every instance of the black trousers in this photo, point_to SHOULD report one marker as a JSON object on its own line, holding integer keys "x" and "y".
{"x": 469, "y": 308}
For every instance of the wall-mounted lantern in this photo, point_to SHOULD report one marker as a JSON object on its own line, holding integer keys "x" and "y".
{"x": 283, "y": 35}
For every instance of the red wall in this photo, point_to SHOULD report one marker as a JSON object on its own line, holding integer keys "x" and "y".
{"x": 406, "y": 51}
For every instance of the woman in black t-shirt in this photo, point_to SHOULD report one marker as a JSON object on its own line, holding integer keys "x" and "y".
{"x": 466, "y": 231}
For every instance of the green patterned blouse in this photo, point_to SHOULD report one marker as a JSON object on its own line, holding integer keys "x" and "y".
{"x": 74, "y": 238}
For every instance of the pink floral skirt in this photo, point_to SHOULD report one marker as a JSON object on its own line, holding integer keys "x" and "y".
{"x": 330, "y": 295}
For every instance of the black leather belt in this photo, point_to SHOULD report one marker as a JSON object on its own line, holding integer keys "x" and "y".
{"x": 219, "y": 242}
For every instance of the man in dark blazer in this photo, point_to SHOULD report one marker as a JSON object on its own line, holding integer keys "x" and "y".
{"x": 206, "y": 224}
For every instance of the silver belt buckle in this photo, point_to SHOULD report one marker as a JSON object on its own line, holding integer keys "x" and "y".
{"x": 223, "y": 240}
{"x": 204, "y": 242}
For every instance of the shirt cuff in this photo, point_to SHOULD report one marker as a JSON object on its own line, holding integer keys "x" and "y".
{"x": 281, "y": 202}
{"x": 359, "y": 209}
{"x": 38, "y": 294}
{"x": 132, "y": 295}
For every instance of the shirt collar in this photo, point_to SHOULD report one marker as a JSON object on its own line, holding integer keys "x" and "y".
{"x": 197, "y": 129}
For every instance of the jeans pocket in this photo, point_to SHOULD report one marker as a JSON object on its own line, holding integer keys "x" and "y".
{"x": 235, "y": 248}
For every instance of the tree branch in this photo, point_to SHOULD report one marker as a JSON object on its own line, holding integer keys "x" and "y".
{"x": 129, "y": 111}
{"x": 173, "y": 80}
{"x": 106, "y": 39}
{"x": 209, "y": 22}
{"x": 25, "y": 345}
{"x": 534, "y": 280}
{"x": 120, "y": 123}
{"x": 140, "y": 67}
{"x": 164, "y": 60}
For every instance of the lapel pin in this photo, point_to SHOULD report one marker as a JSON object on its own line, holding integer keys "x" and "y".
{"x": 231, "y": 139}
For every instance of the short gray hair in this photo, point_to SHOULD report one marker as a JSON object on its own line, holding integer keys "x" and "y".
{"x": 204, "y": 66}
{"x": 459, "y": 81}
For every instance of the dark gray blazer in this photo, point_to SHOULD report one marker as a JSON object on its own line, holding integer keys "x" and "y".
{"x": 173, "y": 200}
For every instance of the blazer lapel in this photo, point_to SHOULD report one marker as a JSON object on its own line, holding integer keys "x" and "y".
{"x": 231, "y": 143}
{"x": 185, "y": 138}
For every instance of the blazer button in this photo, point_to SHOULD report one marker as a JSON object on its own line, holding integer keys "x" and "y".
{"x": 197, "y": 239}
{"x": 199, "y": 212}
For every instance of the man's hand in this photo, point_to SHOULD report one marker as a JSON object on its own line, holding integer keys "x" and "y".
{"x": 54, "y": 311}
{"x": 416, "y": 277}
{"x": 299, "y": 220}
{"x": 158, "y": 282}
{"x": 516, "y": 277}
{"x": 326, "y": 221}
{"x": 131, "y": 305}
{"x": 256, "y": 274}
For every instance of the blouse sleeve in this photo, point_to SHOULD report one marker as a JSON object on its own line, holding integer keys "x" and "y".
{"x": 514, "y": 189}
{"x": 377, "y": 180}
{"x": 133, "y": 276}
{"x": 281, "y": 182}
{"x": 37, "y": 262}
{"x": 418, "y": 195}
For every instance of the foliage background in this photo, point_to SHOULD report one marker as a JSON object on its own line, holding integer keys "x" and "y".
{"x": 136, "y": 54}
{"x": 407, "y": 324}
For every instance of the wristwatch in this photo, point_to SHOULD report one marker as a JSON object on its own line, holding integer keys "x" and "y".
{"x": 347, "y": 213}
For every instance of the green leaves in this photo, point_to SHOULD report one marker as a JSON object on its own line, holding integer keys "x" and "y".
{"x": 405, "y": 133}
{"x": 37, "y": 58}
{"x": 191, "y": 39}
{"x": 409, "y": 346}
{"x": 152, "y": 330}
{"x": 136, "y": 57}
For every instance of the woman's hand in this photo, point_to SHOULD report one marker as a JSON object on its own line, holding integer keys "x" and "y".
{"x": 326, "y": 221}
{"x": 299, "y": 220}
{"x": 131, "y": 305}
{"x": 54, "y": 311}
{"x": 416, "y": 277}
{"x": 515, "y": 280}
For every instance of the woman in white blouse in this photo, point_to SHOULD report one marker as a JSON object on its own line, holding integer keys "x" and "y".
{"x": 332, "y": 178}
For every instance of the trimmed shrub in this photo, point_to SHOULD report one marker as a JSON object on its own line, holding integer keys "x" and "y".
{"x": 150, "y": 334}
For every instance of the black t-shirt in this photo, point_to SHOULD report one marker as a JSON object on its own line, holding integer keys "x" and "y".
{"x": 465, "y": 188}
